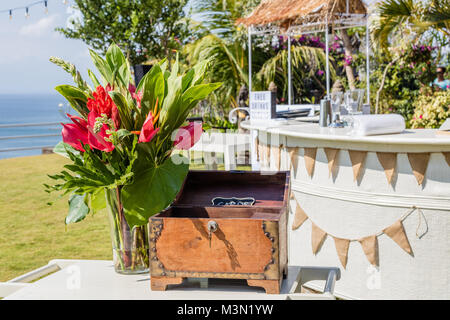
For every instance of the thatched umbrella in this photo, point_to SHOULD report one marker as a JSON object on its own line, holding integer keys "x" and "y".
{"x": 293, "y": 17}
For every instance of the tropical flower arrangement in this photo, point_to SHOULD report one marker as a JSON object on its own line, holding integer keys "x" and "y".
{"x": 123, "y": 141}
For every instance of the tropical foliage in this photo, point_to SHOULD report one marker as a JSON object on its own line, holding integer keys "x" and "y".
{"x": 144, "y": 29}
{"x": 123, "y": 137}
{"x": 431, "y": 109}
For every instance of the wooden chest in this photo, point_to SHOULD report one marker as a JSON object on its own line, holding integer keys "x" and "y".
{"x": 194, "y": 238}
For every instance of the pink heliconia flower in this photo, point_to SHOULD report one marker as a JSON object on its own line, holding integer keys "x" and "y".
{"x": 136, "y": 96}
{"x": 188, "y": 135}
{"x": 97, "y": 140}
{"x": 76, "y": 133}
{"x": 82, "y": 132}
{"x": 148, "y": 131}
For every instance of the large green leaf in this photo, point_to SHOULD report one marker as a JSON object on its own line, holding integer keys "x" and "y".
{"x": 77, "y": 208}
{"x": 153, "y": 190}
{"x": 117, "y": 63}
{"x": 103, "y": 67}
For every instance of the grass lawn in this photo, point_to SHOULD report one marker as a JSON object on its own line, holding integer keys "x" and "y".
{"x": 32, "y": 232}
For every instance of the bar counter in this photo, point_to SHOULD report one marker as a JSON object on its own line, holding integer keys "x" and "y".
{"x": 348, "y": 208}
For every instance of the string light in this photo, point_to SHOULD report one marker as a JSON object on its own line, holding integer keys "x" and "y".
{"x": 27, "y": 7}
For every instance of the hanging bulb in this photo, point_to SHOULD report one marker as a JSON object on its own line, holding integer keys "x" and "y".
{"x": 10, "y": 14}
{"x": 46, "y": 8}
{"x": 26, "y": 13}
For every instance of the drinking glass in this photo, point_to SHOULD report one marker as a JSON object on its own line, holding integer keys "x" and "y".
{"x": 353, "y": 101}
{"x": 337, "y": 98}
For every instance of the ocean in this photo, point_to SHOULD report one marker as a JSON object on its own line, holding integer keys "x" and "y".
{"x": 30, "y": 108}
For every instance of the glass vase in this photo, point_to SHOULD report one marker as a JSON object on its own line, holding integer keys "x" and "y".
{"x": 130, "y": 246}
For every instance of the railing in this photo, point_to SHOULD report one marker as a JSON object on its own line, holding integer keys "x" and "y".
{"x": 21, "y": 125}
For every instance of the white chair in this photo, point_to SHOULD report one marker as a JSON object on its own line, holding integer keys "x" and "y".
{"x": 210, "y": 144}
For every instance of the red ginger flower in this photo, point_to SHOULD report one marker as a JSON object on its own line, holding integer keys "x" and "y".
{"x": 103, "y": 104}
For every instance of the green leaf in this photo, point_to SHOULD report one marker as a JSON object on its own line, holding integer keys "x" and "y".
{"x": 93, "y": 78}
{"x": 76, "y": 97}
{"x": 61, "y": 148}
{"x": 153, "y": 190}
{"x": 77, "y": 208}
{"x": 102, "y": 67}
{"x": 118, "y": 65}
{"x": 152, "y": 86}
{"x": 97, "y": 200}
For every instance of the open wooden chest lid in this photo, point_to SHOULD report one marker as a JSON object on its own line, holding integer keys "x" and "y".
{"x": 201, "y": 187}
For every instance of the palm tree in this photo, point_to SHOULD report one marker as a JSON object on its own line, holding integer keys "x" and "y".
{"x": 398, "y": 17}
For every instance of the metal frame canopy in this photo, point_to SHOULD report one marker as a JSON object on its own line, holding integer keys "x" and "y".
{"x": 297, "y": 17}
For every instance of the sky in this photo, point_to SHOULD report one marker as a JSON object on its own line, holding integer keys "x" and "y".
{"x": 26, "y": 44}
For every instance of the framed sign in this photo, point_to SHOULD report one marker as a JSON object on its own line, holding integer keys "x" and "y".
{"x": 262, "y": 105}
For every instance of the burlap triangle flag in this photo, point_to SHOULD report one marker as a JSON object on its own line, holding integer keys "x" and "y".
{"x": 292, "y": 196}
{"x": 299, "y": 217}
{"x": 370, "y": 247}
{"x": 277, "y": 150}
{"x": 332, "y": 156}
{"x": 388, "y": 161}
{"x": 397, "y": 233}
{"x": 310, "y": 160}
{"x": 293, "y": 156}
{"x": 357, "y": 158}
{"x": 447, "y": 157}
{"x": 342, "y": 249}
{"x": 419, "y": 164}
{"x": 257, "y": 148}
{"x": 317, "y": 238}
{"x": 267, "y": 155}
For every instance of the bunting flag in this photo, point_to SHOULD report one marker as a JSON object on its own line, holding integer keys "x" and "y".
{"x": 310, "y": 160}
{"x": 357, "y": 158}
{"x": 299, "y": 217}
{"x": 370, "y": 247}
{"x": 257, "y": 148}
{"x": 368, "y": 244}
{"x": 317, "y": 238}
{"x": 293, "y": 156}
{"x": 277, "y": 150}
{"x": 397, "y": 233}
{"x": 332, "y": 156}
{"x": 388, "y": 161}
{"x": 447, "y": 157}
{"x": 342, "y": 249}
{"x": 419, "y": 164}
{"x": 267, "y": 155}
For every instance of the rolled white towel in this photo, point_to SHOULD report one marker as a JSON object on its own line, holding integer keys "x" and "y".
{"x": 373, "y": 124}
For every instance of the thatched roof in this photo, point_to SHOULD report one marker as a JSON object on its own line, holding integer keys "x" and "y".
{"x": 288, "y": 12}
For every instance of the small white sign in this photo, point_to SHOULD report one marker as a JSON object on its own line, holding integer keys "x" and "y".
{"x": 262, "y": 105}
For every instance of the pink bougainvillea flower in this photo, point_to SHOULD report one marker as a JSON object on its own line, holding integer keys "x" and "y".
{"x": 136, "y": 96}
{"x": 188, "y": 135}
{"x": 103, "y": 104}
{"x": 148, "y": 130}
{"x": 76, "y": 133}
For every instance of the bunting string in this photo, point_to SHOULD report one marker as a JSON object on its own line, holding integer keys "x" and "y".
{"x": 369, "y": 244}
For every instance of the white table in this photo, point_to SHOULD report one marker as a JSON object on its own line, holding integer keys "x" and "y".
{"x": 96, "y": 279}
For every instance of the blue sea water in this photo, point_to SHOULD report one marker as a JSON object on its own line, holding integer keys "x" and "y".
{"x": 30, "y": 108}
